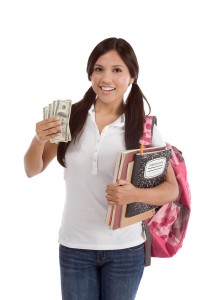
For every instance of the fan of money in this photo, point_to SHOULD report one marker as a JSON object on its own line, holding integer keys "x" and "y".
{"x": 62, "y": 109}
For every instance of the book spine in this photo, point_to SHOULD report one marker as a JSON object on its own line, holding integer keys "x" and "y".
{"x": 111, "y": 210}
{"x": 136, "y": 168}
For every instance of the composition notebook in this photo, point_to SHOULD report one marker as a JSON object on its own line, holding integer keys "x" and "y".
{"x": 122, "y": 169}
{"x": 146, "y": 171}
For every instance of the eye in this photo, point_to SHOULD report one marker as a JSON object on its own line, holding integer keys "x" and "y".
{"x": 117, "y": 70}
{"x": 97, "y": 69}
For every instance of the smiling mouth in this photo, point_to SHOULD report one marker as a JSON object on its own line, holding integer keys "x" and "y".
{"x": 107, "y": 89}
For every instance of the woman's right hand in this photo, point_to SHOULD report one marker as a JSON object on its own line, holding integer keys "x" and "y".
{"x": 48, "y": 129}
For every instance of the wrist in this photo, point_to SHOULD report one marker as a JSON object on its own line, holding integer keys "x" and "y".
{"x": 38, "y": 140}
{"x": 138, "y": 194}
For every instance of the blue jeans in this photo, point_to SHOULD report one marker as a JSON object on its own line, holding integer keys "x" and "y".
{"x": 101, "y": 275}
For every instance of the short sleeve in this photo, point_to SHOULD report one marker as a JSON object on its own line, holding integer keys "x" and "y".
{"x": 157, "y": 139}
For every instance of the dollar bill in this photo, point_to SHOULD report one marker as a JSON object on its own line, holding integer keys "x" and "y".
{"x": 62, "y": 109}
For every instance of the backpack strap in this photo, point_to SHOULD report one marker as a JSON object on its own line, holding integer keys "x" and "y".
{"x": 147, "y": 261}
{"x": 146, "y": 138}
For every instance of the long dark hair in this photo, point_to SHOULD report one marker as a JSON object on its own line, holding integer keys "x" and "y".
{"x": 134, "y": 104}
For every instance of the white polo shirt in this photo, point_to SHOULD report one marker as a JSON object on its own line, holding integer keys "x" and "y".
{"x": 90, "y": 167}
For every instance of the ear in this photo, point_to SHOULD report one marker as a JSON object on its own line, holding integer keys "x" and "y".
{"x": 131, "y": 80}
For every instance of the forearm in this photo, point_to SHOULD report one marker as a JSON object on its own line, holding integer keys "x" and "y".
{"x": 33, "y": 159}
{"x": 159, "y": 195}
{"x": 42, "y": 151}
{"x": 165, "y": 192}
{"x": 123, "y": 192}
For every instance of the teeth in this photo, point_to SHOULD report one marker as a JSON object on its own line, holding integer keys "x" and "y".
{"x": 107, "y": 88}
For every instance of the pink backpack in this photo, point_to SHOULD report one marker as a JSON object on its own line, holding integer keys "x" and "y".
{"x": 166, "y": 230}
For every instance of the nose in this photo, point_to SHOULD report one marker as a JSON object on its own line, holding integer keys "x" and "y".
{"x": 106, "y": 77}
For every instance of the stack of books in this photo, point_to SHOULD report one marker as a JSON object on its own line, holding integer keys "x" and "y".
{"x": 144, "y": 168}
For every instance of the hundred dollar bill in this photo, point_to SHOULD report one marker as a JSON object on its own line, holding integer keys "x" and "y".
{"x": 62, "y": 109}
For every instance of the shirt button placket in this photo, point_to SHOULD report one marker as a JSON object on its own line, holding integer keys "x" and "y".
{"x": 95, "y": 155}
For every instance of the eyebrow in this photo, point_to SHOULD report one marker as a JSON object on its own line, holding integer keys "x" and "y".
{"x": 115, "y": 66}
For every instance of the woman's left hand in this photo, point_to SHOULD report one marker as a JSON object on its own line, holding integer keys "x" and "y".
{"x": 121, "y": 192}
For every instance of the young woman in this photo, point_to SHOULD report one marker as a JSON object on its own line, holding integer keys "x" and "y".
{"x": 95, "y": 261}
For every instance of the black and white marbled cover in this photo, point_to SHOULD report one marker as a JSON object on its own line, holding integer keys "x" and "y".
{"x": 149, "y": 170}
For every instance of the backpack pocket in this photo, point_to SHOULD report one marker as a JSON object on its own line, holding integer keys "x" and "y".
{"x": 168, "y": 227}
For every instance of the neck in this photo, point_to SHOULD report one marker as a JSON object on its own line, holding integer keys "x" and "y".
{"x": 109, "y": 108}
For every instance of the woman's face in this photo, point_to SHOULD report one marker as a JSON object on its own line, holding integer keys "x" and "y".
{"x": 110, "y": 78}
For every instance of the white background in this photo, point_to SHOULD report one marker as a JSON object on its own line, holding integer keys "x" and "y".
{"x": 43, "y": 55}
